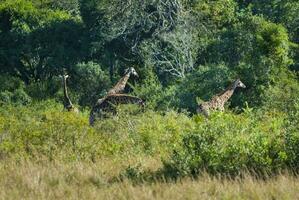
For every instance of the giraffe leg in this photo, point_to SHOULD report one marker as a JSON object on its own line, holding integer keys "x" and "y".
{"x": 221, "y": 108}
{"x": 205, "y": 113}
{"x": 91, "y": 119}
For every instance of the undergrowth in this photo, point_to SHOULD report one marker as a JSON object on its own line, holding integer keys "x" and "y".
{"x": 255, "y": 140}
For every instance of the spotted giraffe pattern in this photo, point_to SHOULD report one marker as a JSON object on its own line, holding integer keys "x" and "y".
{"x": 121, "y": 84}
{"x": 107, "y": 105}
{"x": 217, "y": 102}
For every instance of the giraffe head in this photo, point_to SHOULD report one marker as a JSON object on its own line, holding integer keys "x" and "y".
{"x": 65, "y": 76}
{"x": 238, "y": 83}
{"x": 132, "y": 71}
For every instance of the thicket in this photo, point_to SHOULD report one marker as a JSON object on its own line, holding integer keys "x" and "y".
{"x": 228, "y": 144}
{"x": 44, "y": 131}
{"x": 257, "y": 141}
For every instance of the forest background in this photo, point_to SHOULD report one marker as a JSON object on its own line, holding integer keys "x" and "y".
{"x": 185, "y": 51}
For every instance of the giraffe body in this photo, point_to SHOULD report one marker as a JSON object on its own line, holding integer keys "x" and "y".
{"x": 218, "y": 101}
{"x": 108, "y": 105}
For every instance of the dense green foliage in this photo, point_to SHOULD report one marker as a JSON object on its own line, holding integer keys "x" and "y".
{"x": 263, "y": 141}
{"x": 189, "y": 49}
{"x": 43, "y": 130}
{"x": 185, "y": 51}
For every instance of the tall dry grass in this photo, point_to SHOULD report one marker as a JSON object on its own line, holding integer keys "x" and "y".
{"x": 83, "y": 180}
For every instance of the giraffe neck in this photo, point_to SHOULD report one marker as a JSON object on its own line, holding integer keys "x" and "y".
{"x": 67, "y": 100}
{"x": 226, "y": 95}
{"x": 120, "y": 86}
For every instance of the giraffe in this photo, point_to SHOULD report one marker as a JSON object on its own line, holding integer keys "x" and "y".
{"x": 67, "y": 101}
{"x": 121, "y": 84}
{"x": 113, "y": 97}
{"x": 107, "y": 105}
{"x": 218, "y": 101}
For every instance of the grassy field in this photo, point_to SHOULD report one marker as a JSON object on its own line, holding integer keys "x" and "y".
{"x": 46, "y": 153}
{"x": 83, "y": 180}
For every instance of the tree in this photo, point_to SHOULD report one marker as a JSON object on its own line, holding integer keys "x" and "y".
{"x": 35, "y": 43}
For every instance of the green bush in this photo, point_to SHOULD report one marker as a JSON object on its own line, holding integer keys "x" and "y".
{"x": 284, "y": 95}
{"x": 44, "y": 89}
{"x": 154, "y": 93}
{"x": 44, "y": 130}
{"x": 256, "y": 140}
{"x": 12, "y": 91}
{"x": 89, "y": 81}
{"x": 10, "y": 83}
{"x": 230, "y": 144}
{"x": 5, "y": 97}
{"x": 20, "y": 97}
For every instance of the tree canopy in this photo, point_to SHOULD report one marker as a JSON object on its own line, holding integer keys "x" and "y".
{"x": 183, "y": 49}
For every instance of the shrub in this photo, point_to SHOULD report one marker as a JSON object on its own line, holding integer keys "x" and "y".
{"x": 12, "y": 90}
{"x": 153, "y": 92}
{"x": 44, "y": 89}
{"x": 44, "y": 130}
{"x": 261, "y": 141}
{"x": 89, "y": 81}
{"x": 19, "y": 96}
{"x": 5, "y": 97}
{"x": 283, "y": 95}
{"x": 10, "y": 83}
{"x": 230, "y": 144}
